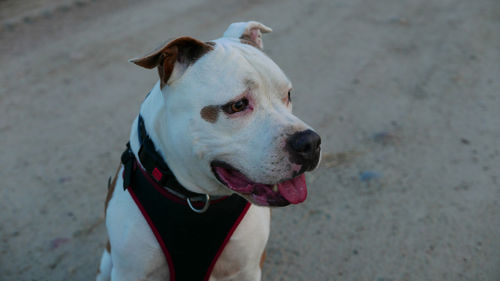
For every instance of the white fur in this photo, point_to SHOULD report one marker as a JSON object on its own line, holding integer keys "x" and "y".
{"x": 253, "y": 143}
{"x": 105, "y": 267}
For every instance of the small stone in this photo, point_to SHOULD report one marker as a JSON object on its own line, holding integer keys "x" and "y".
{"x": 367, "y": 176}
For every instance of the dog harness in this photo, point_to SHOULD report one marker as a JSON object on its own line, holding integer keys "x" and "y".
{"x": 191, "y": 229}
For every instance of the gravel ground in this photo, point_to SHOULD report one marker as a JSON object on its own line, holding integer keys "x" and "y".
{"x": 404, "y": 93}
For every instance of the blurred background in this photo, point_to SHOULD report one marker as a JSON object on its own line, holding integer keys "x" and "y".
{"x": 405, "y": 95}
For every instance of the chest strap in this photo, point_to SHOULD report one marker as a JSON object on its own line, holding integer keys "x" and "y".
{"x": 191, "y": 242}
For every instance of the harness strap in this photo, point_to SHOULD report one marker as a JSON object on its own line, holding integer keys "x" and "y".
{"x": 157, "y": 169}
{"x": 191, "y": 242}
{"x": 128, "y": 161}
{"x": 153, "y": 162}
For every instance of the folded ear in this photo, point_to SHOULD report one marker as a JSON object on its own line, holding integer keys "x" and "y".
{"x": 249, "y": 32}
{"x": 174, "y": 57}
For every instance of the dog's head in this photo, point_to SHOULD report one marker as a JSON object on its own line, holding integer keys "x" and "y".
{"x": 226, "y": 123}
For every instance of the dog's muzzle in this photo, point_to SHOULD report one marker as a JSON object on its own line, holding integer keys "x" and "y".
{"x": 304, "y": 149}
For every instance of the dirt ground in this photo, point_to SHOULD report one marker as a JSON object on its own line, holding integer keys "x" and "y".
{"x": 405, "y": 95}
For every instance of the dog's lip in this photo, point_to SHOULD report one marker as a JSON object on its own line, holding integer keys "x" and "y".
{"x": 283, "y": 192}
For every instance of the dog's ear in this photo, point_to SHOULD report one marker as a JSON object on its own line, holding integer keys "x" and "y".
{"x": 174, "y": 57}
{"x": 248, "y": 32}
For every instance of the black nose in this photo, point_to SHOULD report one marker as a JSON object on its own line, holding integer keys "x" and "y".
{"x": 304, "y": 149}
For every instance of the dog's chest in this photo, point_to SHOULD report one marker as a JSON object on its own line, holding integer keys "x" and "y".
{"x": 133, "y": 242}
{"x": 191, "y": 241}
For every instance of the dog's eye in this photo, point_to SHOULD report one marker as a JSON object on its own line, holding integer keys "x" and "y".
{"x": 287, "y": 100}
{"x": 236, "y": 106}
{"x": 239, "y": 105}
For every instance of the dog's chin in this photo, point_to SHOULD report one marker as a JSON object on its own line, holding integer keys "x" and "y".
{"x": 281, "y": 193}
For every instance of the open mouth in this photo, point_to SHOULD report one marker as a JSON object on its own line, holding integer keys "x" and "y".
{"x": 282, "y": 193}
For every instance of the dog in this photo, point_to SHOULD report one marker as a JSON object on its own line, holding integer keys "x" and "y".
{"x": 215, "y": 137}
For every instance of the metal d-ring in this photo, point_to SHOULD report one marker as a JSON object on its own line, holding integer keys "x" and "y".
{"x": 202, "y": 210}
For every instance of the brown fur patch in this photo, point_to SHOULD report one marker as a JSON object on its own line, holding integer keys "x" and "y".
{"x": 185, "y": 50}
{"x": 111, "y": 189}
{"x": 262, "y": 259}
{"x": 245, "y": 39}
{"x": 210, "y": 113}
{"x": 108, "y": 247}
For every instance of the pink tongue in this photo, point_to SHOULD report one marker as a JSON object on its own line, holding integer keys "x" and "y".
{"x": 294, "y": 190}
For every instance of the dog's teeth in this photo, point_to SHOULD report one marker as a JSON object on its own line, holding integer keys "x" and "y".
{"x": 275, "y": 188}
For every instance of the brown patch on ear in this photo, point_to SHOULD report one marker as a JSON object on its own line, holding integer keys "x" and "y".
{"x": 184, "y": 50}
{"x": 210, "y": 113}
{"x": 249, "y": 32}
{"x": 245, "y": 39}
{"x": 262, "y": 259}
{"x": 108, "y": 247}
{"x": 111, "y": 189}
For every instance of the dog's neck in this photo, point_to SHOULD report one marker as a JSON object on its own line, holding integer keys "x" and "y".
{"x": 153, "y": 112}
{"x": 152, "y": 108}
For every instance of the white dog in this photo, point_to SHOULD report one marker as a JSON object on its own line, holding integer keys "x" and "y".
{"x": 216, "y": 128}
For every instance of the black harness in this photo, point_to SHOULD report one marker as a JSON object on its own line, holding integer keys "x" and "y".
{"x": 191, "y": 235}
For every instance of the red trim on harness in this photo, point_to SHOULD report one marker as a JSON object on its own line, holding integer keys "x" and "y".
{"x": 162, "y": 190}
{"x": 226, "y": 240}
{"x": 156, "y": 174}
{"x": 157, "y": 234}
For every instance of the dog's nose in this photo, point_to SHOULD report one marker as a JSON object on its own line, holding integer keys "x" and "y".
{"x": 304, "y": 149}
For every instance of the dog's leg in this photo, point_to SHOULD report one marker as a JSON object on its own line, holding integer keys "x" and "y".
{"x": 104, "y": 272}
{"x": 135, "y": 252}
